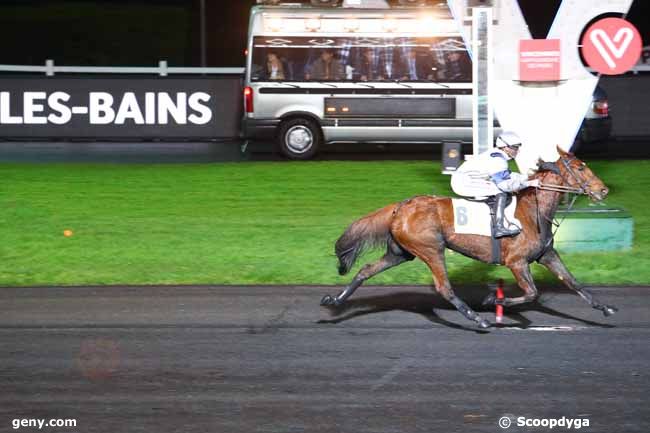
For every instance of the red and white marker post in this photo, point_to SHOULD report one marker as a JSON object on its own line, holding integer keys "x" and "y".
{"x": 499, "y": 308}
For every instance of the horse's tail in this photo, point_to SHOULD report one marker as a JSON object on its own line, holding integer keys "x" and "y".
{"x": 370, "y": 231}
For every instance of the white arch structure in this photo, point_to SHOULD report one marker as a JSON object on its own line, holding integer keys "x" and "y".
{"x": 544, "y": 115}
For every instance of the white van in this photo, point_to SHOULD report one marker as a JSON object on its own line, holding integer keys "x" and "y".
{"x": 345, "y": 75}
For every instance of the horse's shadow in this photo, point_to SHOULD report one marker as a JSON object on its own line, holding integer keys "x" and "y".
{"x": 425, "y": 305}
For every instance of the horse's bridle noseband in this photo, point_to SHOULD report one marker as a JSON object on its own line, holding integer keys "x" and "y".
{"x": 583, "y": 188}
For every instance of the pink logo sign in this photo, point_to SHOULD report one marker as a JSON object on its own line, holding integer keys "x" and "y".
{"x": 612, "y": 46}
{"x": 539, "y": 60}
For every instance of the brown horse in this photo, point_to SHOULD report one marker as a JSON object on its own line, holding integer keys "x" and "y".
{"x": 424, "y": 226}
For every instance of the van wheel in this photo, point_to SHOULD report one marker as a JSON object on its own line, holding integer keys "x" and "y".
{"x": 299, "y": 138}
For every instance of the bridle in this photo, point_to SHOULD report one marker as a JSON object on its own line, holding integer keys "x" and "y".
{"x": 583, "y": 188}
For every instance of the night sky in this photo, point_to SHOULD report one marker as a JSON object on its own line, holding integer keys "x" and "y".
{"x": 141, "y": 32}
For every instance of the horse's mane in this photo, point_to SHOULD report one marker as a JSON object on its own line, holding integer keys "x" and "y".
{"x": 543, "y": 175}
{"x": 548, "y": 173}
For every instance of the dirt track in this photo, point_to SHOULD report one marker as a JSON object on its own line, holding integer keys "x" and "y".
{"x": 238, "y": 359}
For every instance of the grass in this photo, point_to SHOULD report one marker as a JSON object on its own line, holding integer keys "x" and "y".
{"x": 245, "y": 223}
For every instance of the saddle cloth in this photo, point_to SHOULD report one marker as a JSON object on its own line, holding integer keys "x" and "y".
{"x": 473, "y": 217}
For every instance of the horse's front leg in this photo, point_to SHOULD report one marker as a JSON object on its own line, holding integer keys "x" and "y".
{"x": 551, "y": 259}
{"x": 524, "y": 278}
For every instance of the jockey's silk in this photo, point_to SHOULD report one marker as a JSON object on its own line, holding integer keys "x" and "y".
{"x": 486, "y": 175}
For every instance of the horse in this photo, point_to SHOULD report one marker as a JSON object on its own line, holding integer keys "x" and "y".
{"x": 423, "y": 227}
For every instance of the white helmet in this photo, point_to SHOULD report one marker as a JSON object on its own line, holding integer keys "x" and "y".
{"x": 508, "y": 139}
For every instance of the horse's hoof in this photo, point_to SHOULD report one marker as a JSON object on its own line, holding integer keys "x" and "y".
{"x": 608, "y": 310}
{"x": 483, "y": 324}
{"x": 328, "y": 301}
{"x": 490, "y": 300}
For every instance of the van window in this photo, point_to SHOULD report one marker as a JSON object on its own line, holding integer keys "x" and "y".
{"x": 360, "y": 59}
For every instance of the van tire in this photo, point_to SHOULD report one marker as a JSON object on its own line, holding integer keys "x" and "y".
{"x": 299, "y": 138}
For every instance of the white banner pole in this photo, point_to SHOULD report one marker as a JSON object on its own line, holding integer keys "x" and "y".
{"x": 482, "y": 108}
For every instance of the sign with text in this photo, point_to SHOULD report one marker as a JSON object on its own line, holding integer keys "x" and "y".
{"x": 539, "y": 60}
{"x": 612, "y": 46}
{"x": 560, "y": 103}
{"x": 133, "y": 107}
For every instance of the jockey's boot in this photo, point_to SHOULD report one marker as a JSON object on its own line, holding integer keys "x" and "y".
{"x": 500, "y": 230}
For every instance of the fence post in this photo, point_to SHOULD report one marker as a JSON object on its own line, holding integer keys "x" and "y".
{"x": 49, "y": 67}
{"x": 162, "y": 65}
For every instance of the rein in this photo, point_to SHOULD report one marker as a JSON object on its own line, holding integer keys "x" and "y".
{"x": 582, "y": 190}
{"x": 554, "y": 221}
{"x": 561, "y": 188}
{"x": 583, "y": 184}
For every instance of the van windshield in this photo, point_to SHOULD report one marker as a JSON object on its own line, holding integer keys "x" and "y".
{"x": 360, "y": 59}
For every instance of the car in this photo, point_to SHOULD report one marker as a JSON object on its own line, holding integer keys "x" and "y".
{"x": 355, "y": 76}
{"x": 317, "y": 76}
{"x": 597, "y": 125}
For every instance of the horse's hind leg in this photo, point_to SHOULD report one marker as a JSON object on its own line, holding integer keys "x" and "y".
{"x": 551, "y": 259}
{"x": 394, "y": 256}
{"x": 436, "y": 262}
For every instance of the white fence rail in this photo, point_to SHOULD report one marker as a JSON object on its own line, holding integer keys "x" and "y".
{"x": 49, "y": 69}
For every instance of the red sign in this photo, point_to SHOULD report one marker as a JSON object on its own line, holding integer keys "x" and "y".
{"x": 612, "y": 46}
{"x": 539, "y": 60}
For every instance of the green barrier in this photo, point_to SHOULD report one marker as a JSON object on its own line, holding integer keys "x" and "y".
{"x": 598, "y": 229}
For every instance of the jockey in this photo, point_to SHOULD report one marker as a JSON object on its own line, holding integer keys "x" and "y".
{"x": 488, "y": 175}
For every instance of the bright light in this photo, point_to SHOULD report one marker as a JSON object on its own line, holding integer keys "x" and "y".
{"x": 312, "y": 24}
{"x": 351, "y": 25}
{"x": 430, "y": 25}
{"x": 274, "y": 24}
{"x": 426, "y": 24}
{"x": 390, "y": 25}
